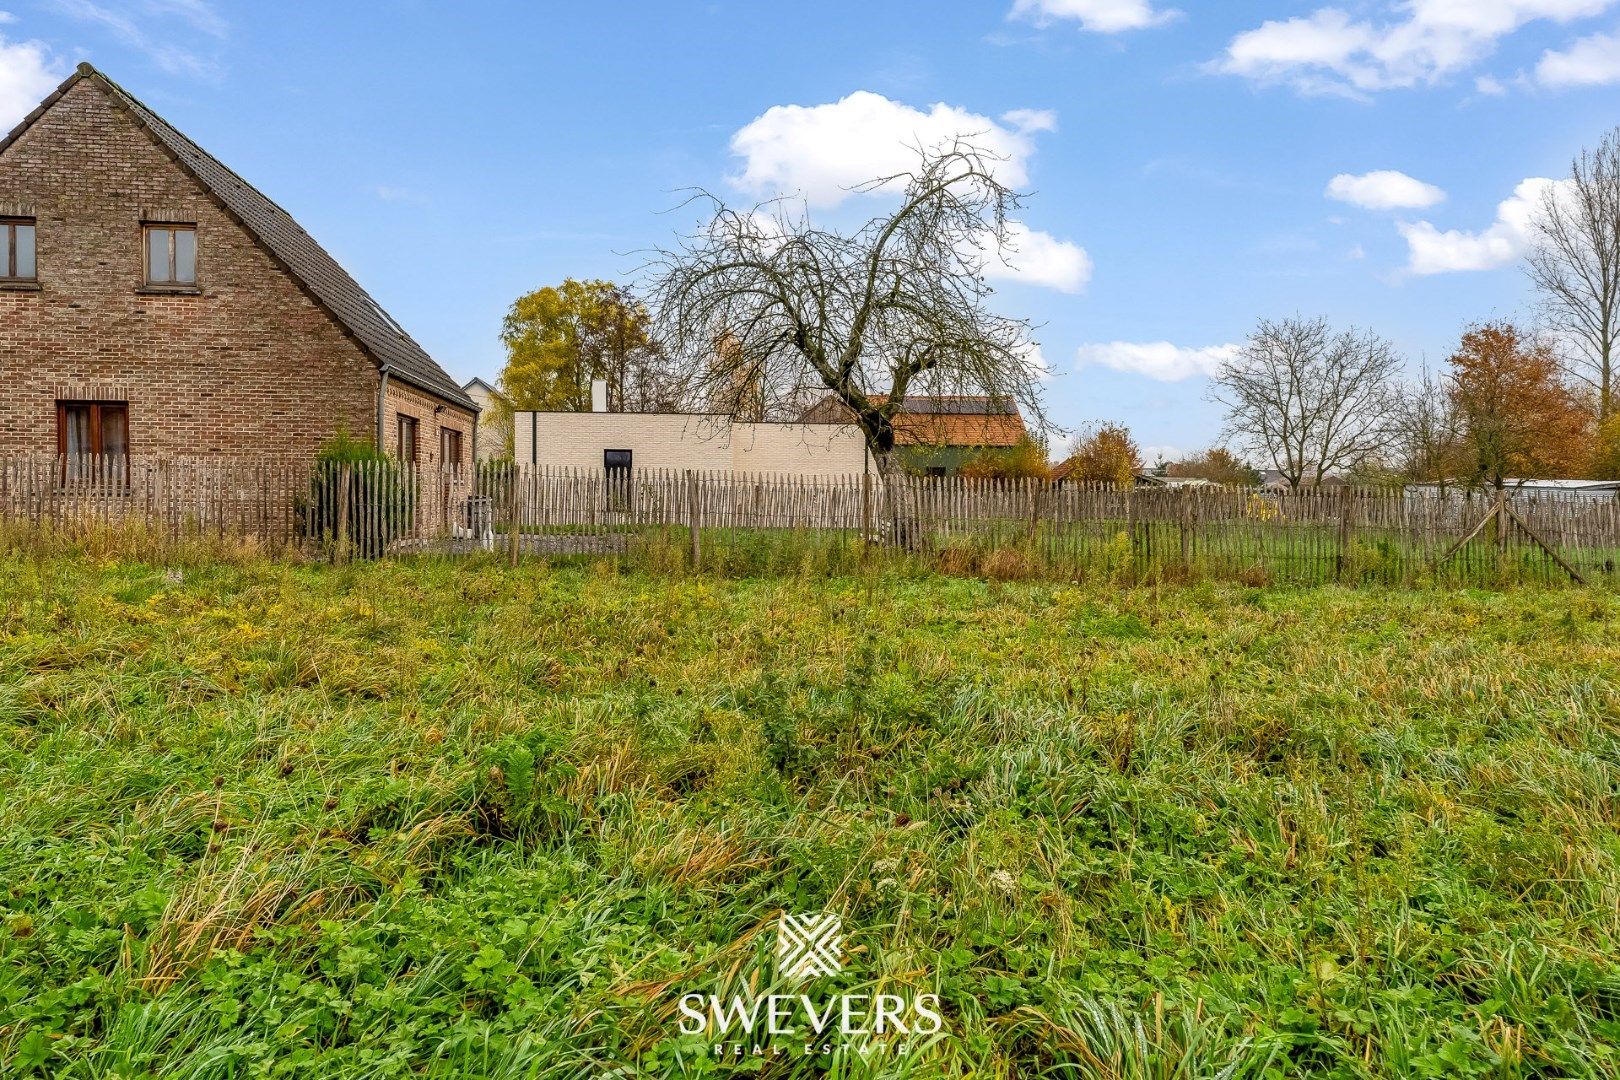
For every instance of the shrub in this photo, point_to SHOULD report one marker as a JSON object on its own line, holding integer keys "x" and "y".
{"x": 1024, "y": 461}
{"x": 357, "y": 493}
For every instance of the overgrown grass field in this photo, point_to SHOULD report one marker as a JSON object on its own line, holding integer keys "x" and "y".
{"x": 431, "y": 819}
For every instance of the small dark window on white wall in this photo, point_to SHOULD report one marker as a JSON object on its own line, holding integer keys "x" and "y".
{"x": 616, "y": 463}
{"x": 171, "y": 255}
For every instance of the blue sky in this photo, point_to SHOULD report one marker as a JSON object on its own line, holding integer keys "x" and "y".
{"x": 1181, "y": 158}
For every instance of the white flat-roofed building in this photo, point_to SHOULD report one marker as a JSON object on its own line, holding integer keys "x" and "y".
{"x": 700, "y": 441}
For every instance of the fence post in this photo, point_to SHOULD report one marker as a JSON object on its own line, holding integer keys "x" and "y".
{"x": 1341, "y": 560}
{"x": 514, "y": 532}
{"x": 1186, "y": 528}
{"x": 866, "y": 515}
{"x": 693, "y": 517}
{"x": 1501, "y": 526}
{"x": 343, "y": 513}
{"x": 1036, "y": 487}
{"x": 1133, "y": 529}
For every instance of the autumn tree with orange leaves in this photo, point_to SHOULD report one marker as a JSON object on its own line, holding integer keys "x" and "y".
{"x": 1518, "y": 416}
{"x": 1218, "y": 465}
{"x": 1106, "y": 454}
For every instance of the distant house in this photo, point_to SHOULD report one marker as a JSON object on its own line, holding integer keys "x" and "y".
{"x": 1148, "y": 479}
{"x": 1273, "y": 480}
{"x": 1063, "y": 473}
{"x": 153, "y": 302}
{"x": 936, "y": 434}
{"x": 494, "y": 424}
{"x": 1521, "y": 488}
{"x": 713, "y": 442}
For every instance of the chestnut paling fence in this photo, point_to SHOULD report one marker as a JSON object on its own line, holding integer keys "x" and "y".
{"x": 752, "y": 522}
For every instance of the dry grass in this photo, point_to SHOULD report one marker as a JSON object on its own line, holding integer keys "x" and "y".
{"x": 456, "y": 820}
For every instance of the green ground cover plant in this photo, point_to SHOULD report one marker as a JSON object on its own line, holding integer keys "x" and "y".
{"x": 406, "y": 819}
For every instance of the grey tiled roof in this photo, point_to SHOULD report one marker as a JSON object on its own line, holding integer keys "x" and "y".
{"x": 959, "y": 405}
{"x": 330, "y": 284}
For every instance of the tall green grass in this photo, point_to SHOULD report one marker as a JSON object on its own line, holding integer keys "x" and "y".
{"x": 261, "y": 819}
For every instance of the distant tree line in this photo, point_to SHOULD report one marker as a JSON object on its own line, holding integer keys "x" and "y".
{"x": 1313, "y": 402}
{"x": 760, "y": 312}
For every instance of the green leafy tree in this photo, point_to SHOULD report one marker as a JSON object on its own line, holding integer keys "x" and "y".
{"x": 559, "y": 338}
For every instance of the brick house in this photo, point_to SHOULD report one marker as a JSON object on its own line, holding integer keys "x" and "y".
{"x": 152, "y": 302}
{"x": 936, "y": 434}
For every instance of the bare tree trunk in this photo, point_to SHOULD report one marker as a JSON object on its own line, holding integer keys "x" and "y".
{"x": 1575, "y": 265}
{"x": 905, "y": 526}
{"x": 899, "y": 306}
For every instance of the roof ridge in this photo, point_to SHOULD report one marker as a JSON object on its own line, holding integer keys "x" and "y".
{"x": 312, "y": 267}
{"x": 89, "y": 70}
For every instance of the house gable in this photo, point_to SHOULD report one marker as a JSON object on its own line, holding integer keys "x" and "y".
{"x": 249, "y": 364}
{"x": 254, "y": 362}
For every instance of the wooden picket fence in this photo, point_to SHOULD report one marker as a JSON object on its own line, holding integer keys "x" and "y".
{"x": 749, "y": 522}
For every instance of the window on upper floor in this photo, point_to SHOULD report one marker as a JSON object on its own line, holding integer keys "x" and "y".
{"x": 171, "y": 255}
{"x": 18, "y": 257}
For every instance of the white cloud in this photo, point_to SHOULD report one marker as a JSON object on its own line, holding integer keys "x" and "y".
{"x": 1031, "y": 121}
{"x": 1418, "y": 42}
{"x": 822, "y": 152}
{"x": 1591, "y": 61}
{"x": 28, "y": 73}
{"x": 199, "y": 13}
{"x": 1037, "y": 361}
{"x": 150, "y": 27}
{"x": 1507, "y": 239}
{"x": 1384, "y": 189}
{"x": 1099, "y": 16}
{"x": 1037, "y": 258}
{"x": 1159, "y": 360}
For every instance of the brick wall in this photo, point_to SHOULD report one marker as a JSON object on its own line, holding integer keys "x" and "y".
{"x": 247, "y": 366}
{"x": 431, "y": 415}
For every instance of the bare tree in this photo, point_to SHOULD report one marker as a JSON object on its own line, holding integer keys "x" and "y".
{"x": 1309, "y": 400}
{"x": 1575, "y": 265}
{"x": 898, "y": 307}
{"x": 1426, "y": 431}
